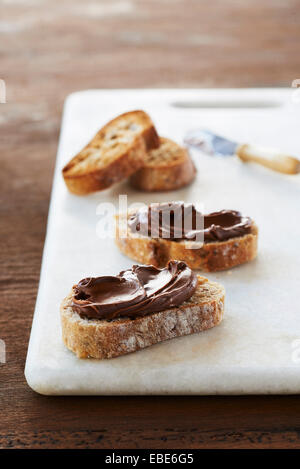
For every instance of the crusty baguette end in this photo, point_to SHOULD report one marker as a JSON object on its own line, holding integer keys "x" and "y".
{"x": 168, "y": 167}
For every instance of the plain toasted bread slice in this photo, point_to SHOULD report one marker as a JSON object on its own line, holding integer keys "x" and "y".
{"x": 210, "y": 257}
{"x": 117, "y": 150}
{"x": 166, "y": 168}
{"x": 94, "y": 338}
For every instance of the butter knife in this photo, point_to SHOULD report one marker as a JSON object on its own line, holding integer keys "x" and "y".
{"x": 213, "y": 144}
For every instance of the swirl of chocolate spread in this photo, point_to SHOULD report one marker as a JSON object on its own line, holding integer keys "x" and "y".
{"x": 177, "y": 221}
{"x": 135, "y": 292}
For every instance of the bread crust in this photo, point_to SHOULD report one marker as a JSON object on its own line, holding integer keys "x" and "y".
{"x": 167, "y": 175}
{"x": 107, "y": 339}
{"x": 131, "y": 158}
{"x": 210, "y": 257}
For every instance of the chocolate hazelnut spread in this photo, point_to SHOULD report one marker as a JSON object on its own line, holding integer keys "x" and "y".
{"x": 177, "y": 221}
{"x": 136, "y": 292}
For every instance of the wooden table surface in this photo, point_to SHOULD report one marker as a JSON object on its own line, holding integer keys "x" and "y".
{"x": 48, "y": 50}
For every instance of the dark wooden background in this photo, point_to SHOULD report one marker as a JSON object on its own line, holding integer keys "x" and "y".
{"x": 49, "y": 49}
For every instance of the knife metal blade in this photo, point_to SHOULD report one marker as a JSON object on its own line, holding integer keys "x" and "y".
{"x": 210, "y": 143}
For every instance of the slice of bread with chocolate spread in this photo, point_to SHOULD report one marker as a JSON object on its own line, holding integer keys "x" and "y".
{"x": 106, "y": 317}
{"x": 228, "y": 238}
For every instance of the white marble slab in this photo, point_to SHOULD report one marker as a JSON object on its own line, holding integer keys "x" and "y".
{"x": 257, "y": 347}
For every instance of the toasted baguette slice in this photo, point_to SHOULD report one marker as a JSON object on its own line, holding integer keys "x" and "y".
{"x": 210, "y": 257}
{"x": 167, "y": 168}
{"x": 106, "y": 339}
{"x": 117, "y": 150}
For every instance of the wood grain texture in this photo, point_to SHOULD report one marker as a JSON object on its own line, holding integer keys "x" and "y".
{"x": 48, "y": 50}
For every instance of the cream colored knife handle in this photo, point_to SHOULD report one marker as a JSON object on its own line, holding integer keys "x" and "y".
{"x": 270, "y": 158}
